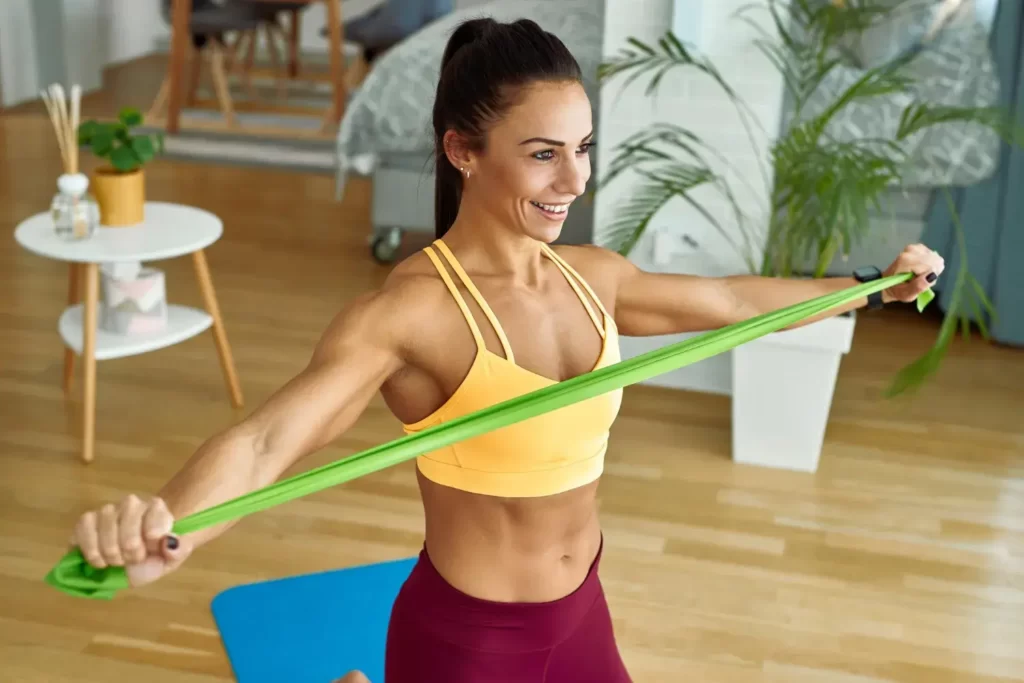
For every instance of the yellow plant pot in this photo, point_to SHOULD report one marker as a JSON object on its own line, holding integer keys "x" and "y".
{"x": 121, "y": 196}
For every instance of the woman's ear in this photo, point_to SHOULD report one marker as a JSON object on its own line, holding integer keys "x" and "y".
{"x": 458, "y": 151}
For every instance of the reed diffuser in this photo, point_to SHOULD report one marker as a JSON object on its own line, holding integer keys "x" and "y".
{"x": 75, "y": 213}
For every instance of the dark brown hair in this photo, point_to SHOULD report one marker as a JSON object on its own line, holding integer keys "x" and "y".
{"x": 485, "y": 63}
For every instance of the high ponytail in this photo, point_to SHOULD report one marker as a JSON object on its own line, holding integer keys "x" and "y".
{"x": 484, "y": 62}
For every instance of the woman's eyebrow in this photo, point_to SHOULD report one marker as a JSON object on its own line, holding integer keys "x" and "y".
{"x": 557, "y": 143}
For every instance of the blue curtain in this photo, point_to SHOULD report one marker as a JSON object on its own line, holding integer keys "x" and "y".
{"x": 991, "y": 212}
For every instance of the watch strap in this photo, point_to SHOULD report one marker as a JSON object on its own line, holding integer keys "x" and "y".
{"x": 869, "y": 274}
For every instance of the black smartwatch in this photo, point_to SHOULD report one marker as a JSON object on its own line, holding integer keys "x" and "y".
{"x": 870, "y": 274}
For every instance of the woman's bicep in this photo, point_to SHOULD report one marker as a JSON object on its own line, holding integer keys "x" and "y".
{"x": 651, "y": 303}
{"x": 358, "y": 352}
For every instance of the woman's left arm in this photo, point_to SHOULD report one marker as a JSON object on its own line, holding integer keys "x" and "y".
{"x": 648, "y": 304}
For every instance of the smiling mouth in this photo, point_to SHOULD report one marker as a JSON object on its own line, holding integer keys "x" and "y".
{"x": 553, "y": 211}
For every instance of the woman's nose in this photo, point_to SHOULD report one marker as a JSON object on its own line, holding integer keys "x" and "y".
{"x": 573, "y": 178}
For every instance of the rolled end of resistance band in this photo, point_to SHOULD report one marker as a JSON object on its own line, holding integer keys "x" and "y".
{"x": 75, "y": 576}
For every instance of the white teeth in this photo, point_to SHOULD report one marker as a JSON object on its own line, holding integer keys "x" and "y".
{"x": 554, "y": 208}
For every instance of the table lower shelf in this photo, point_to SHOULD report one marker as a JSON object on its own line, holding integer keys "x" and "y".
{"x": 183, "y": 322}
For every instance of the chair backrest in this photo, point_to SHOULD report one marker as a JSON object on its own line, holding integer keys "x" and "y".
{"x": 167, "y": 6}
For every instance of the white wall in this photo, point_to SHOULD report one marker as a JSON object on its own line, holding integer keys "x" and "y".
{"x": 131, "y": 29}
{"x": 689, "y": 100}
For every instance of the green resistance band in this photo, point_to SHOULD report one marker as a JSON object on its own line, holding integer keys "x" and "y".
{"x": 73, "y": 575}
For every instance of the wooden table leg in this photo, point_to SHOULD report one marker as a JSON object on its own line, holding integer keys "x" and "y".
{"x": 336, "y": 41}
{"x": 180, "y": 37}
{"x": 74, "y": 279}
{"x": 92, "y": 287}
{"x": 220, "y": 336}
{"x": 294, "y": 38}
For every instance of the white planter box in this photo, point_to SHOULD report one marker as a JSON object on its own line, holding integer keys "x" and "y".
{"x": 782, "y": 387}
{"x": 709, "y": 376}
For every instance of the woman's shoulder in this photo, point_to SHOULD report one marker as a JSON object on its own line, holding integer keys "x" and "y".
{"x": 594, "y": 262}
{"x": 409, "y": 291}
{"x": 401, "y": 313}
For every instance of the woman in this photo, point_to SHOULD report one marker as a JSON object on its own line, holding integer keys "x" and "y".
{"x": 506, "y": 586}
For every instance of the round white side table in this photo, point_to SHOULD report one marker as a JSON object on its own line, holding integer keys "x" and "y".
{"x": 169, "y": 230}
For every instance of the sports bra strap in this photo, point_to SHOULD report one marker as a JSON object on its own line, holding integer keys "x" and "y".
{"x": 475, "y": 293}
{"x": 573, "y": 279}
{"x": 582, "y": 298}
{"x": 458, "y": 297}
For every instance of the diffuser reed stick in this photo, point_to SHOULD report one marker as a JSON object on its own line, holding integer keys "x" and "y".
{"x": 65, "y": 121}
{"x": 72, "y": 183}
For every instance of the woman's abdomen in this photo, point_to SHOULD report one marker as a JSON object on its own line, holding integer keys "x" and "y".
{"x": 511, "y": 549}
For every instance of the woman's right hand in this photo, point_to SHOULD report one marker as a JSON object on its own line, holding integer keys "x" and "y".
{"x": 134, "y": 534}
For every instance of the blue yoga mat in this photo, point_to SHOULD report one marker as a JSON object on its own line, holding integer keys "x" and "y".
{"x": 312, "y": 628}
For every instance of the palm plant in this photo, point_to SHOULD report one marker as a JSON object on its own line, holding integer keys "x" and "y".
{"x": 821, "y": 189}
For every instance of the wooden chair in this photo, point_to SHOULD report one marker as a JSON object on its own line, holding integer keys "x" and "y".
{"x": 272, "y": 12}
{"x": 208, "y": 25}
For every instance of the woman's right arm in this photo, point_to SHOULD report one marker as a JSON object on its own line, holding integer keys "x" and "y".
{"x": 361, "y": 348}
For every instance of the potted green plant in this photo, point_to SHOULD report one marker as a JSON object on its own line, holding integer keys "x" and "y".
{"x": 822, "y": 189}
{"x": 119, "y": 184}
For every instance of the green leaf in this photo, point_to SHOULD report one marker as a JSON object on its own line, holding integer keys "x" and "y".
{"x": 913, "y": 375}
{"x": 85, "y": 132}
{"x": 130, "y": 116}
{"x": 920, "y": 115}
{"x": 122, "y": 133}
{"x": 123, "y": 159}
{"x": 981, "y": 298}
{"x": 143, "y": 148}
{"x": 634, "y": 215}
{"x": 102, "y": 141}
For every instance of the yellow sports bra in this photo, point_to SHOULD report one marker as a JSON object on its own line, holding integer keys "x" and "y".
{"x": 543, "y": 455}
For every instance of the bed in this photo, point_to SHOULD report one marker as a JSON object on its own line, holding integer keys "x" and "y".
{"x": 386, "y": 131}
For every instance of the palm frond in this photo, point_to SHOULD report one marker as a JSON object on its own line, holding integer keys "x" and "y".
{"x": 913, "y": 375}
{"x": 634, "y": 215}
{"x": 825, "y": 190}
{"x": 644, "y": 60}
{"x": 671, "y": 53}
{"x": 918, "y": 116}
{"x": 656, "y": 143}
{"x": 883, "y": 80}
{"x": 821, "y": 188}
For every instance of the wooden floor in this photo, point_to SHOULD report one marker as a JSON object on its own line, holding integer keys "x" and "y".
{"x": 902, "y": 559}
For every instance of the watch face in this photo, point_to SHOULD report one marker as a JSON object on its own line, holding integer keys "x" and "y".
{"x": 867, "y": 273}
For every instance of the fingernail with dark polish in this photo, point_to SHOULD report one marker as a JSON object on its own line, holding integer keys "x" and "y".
{"x": 931, "y": 277}
{"x": 172, "y": 542}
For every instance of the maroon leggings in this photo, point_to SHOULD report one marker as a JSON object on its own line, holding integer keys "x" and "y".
{"x": 438, "y": 634}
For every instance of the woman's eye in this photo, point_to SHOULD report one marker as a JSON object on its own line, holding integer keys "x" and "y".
{"x": 548, "y": 154}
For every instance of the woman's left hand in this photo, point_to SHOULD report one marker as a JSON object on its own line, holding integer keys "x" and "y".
{"x": 926, "y": 265}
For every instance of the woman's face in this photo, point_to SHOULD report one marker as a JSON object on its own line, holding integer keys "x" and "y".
{"x": 535, "y": 161}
